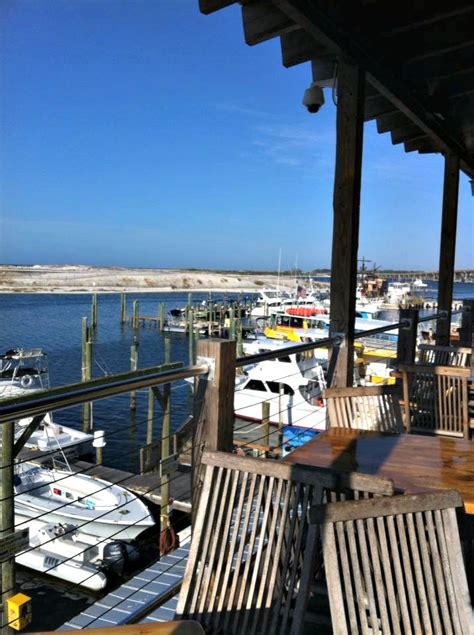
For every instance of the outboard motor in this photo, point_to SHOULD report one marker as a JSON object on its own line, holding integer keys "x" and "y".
{"x": 118, "y": 555}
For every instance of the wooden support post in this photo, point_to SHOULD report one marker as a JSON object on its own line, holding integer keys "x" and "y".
{"x": 94, "y": 311}
{"x": 162, "y": 317}
{"x": 231, "y": 324}
{"x": 448, "y": 246}
{"x": 467, "y": 323}
{"x": 165, "y": 510}
{"x": 133, "y": 366}
{"x": 266, "y": 425}
{"x": 214, "y": 404}
{"x": 135, "y": 314}
{"x": 87, "y": 407}
{"x": 191, "y": 335}
{"x": 86, "y": 372}
{"x": 123, "y": 308}
{"x": 345, "y": 240}
{"x": 7, "y": 518}
{"x": 406, "y": 345}
{"x": 281, "y": 392}
{"x": 240, "y": 344}
{"x": 150, "y": 417}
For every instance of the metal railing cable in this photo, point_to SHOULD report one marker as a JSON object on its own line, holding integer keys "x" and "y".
{"x": 84, "y": 392}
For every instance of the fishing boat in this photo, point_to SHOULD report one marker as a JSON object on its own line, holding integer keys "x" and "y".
{"x": 22, "y": 370}
{"x": 57, "y": 550}
{"x": 292, "y": 386}
{"x": 51, "y": 438}
{"x": 98, "y": 507}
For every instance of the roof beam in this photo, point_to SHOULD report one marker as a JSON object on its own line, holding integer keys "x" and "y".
{"x": 297, "y": 47}
{"x": 209, "y": 6}
{"x": 313, "y": 17}
{"x": 388, "y": 122}
{"x": 263, "y": 21}
{"x": 410, "y": 133}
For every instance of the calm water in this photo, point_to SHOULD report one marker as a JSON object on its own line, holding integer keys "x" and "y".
{"x": 53, "y": 322}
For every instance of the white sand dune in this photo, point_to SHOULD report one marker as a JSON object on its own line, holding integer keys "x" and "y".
{"x": 84, "y": 279}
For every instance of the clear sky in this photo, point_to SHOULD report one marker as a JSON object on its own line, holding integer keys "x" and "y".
{"x": 143, "y": 133}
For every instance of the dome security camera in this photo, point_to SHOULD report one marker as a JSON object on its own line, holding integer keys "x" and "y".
{"x": 313, "y": 98}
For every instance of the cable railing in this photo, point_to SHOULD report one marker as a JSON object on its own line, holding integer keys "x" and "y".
{"x": 118, "y": 385}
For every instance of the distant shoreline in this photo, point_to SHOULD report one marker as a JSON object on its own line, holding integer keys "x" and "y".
{"x": 86, "y": 280}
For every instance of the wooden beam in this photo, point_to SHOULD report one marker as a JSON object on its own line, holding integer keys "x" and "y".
{"x": 378, "y": 106}
{"x": 433, "y": 39}
{"x": 392, "y": 120}
{"x": 297, "y": 47}
{"x": 315, "y": 18}
{"x": 446, "y": 65}
{"x": 422, "y": 145}
{"x": 209, "y": 6}
{"x": 262, "y": 21}
{"x": 345, "y": 240}
{"x": 448, "y": 245}
{"x": 410, "y": 133}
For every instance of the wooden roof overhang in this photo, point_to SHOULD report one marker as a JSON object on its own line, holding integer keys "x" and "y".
{"x": 418, "y": 58}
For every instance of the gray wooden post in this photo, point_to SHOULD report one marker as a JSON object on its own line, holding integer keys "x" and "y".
{"x": 467, "y": 319}
{"x": 266, "y": 425}
{"x": 135, "y": 314}
{"x": 7, "y": 519}
{"x": 133, "y": 366}
{"x": 165, "y": 509}
{"x": 123, "y": 308}
{"x": 94, "y": 311}
{"x": 406, "y": 345}
{"x": 191, "y": 335}
{"x": 162, "y": 317}
{"x": 86, "y": 372}
{"x": 349, "y": 125}
{"x": 448, "y": 246}
{"x": 214, "y": 404}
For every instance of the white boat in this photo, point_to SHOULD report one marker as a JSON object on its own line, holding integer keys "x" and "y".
{"x": 23, "y": 371}
{"x": 98, "y": 507}
{"x": 50, "y": 438}
{"x": 292, "y": 386}
{"x": 57, "y": 550}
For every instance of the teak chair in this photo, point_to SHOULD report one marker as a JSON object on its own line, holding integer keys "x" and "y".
{"x": 365, "y": 408}
{"x": 444, "y": 355}
{"x": 252, "y": 550}
{"x": 394, "y": 565}
{"x": 436, "y": 399}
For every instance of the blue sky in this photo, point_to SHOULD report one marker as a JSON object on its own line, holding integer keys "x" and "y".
{"x": 143, "y": 133}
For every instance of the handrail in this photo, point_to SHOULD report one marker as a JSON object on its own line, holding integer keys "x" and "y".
{"x": 287, "y": 350}
{"x": 83, "y": 392}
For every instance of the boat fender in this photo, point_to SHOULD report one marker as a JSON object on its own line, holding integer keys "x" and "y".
{"x": 26, "y": 381}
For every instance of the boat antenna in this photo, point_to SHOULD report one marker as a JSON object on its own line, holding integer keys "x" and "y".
{"x": 278, "y": 277}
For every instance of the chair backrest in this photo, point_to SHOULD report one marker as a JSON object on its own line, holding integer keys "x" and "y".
{"x": 356, "y": 486}
{"x": 436, "y": 399}
{"x": 252, "y": 550}
{"x": 364, "y": 408}
{"x": 444, "y": 355}
{"x": 394, "y": 565}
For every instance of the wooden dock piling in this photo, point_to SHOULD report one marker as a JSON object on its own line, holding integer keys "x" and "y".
{"x": 94, "y": 311}
{"x": 86, "y": 372}
{"x": 191, "y": 335}
{"x": 161, "y": 317}
{"x": 123, "y": 308}
{"x": 133, "y": 366}
{"x": 266, "y": 425}
{"x": 135, "y": 318}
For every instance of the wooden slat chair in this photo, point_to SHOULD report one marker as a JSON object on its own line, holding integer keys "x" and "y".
{"x": 347, "y": 486}
{"x": 252, "y": 551}
{"x": 444, "y": 355}
{"x": 394, "y": 565}
{"x": 364, "y": 408}
{"x": 436, "y": 399}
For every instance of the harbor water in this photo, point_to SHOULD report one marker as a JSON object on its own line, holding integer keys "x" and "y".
{"x": 52, "y": 322}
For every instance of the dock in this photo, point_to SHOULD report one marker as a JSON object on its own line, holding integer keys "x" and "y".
{"x": 149, "y": 596}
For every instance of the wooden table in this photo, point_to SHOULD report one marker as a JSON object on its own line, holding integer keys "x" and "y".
{"x": 414, "y": 462}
